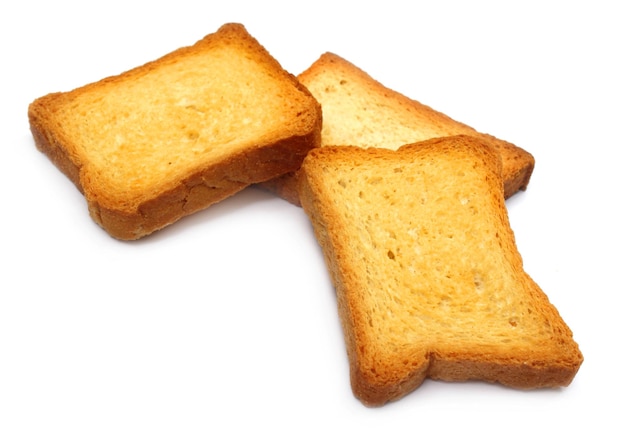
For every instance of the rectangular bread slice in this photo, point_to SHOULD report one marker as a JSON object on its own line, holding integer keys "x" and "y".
{"x": 428, "y": 277}
{"x": 360, "y": 111}
{"x": 178, "y": 134}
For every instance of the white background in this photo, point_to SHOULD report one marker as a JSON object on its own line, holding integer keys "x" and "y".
{"x": 224, "y": 325}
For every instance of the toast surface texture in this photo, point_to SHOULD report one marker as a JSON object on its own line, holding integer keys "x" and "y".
{"x": 178, "y": 134}
{"x": 360, "y": 111}
{"x": 428, "y": 277}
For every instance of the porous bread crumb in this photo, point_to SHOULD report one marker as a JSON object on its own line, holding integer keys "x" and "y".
{"x": 178, "y": 134}
{"x": 429, "y": 280}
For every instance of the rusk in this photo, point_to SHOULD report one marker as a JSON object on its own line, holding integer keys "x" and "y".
{"x": 428, "y": 277}
{"x": 178, "y": 134}
{"x": 360, "y": 111}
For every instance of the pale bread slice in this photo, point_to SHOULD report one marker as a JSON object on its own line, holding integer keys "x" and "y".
{"x": 360, "y": 111}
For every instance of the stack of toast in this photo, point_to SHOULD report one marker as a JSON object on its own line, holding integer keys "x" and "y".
{"x": 407, "y": 204}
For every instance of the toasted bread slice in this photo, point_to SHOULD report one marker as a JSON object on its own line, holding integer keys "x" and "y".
{"x": 178, "y": 134}
{"x": 428, "y": 277}
{"x": 360, "y": 111}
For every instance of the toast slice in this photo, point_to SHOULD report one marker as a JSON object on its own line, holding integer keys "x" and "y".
{"x": 428, "y": 277}
{"x": 178, "y": 134}
{"x": 360, "y": 111}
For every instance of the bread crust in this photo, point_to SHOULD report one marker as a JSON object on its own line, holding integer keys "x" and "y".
{"x": 129, "y": 214}
{"x": 376, "y": 116}
{"x": 407, "y": 318}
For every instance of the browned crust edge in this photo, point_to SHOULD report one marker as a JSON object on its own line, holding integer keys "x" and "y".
{"x": 194, "y": 193}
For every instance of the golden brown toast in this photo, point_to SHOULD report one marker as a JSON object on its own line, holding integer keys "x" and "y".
{"x": 178, "y": 134}
{"x": 428, "y": 277}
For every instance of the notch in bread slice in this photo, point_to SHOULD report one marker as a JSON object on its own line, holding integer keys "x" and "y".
{"x": 360, "y": 111}
{"x": 178, "y": 134}
{"x": 428, "y": 277}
